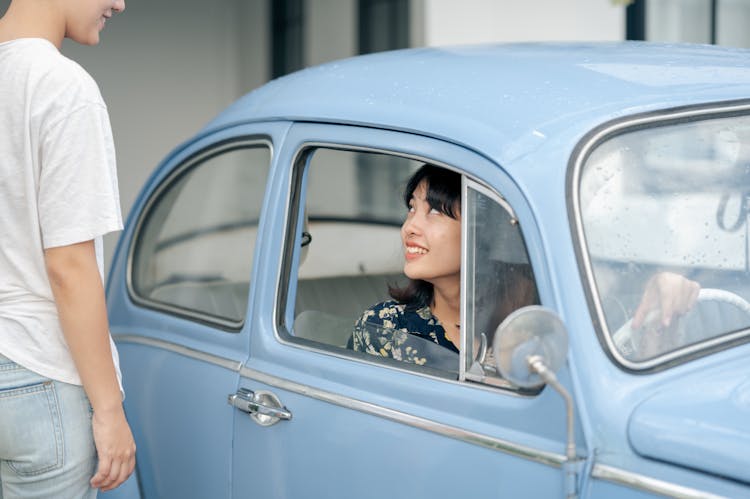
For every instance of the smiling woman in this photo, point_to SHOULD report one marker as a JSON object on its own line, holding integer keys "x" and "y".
{"x": 421, "y": 323}
{"x": 429, "y": 306}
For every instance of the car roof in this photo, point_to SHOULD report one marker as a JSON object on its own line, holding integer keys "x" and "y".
{"x": 503, "y": 100}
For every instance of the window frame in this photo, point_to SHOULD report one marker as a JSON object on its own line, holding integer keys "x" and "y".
{"x": 291, "y": 253}
{"x": 464, "y": 373}
{"x": 184, "y": 167}
{"x": 289, "y": 265}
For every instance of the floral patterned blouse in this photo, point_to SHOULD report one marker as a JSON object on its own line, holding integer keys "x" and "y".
{"x": 388, "y": 329}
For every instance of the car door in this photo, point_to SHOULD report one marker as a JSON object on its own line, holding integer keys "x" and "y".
{"x": 179, "y": 293}
{"x": 324, "y": 421}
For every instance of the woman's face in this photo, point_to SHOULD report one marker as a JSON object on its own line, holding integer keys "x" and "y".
{"x": 432, "y": 242}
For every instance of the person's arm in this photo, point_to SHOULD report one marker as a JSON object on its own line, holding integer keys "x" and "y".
{"x": 669, "y": 293}
{"x": 79, "y": 295}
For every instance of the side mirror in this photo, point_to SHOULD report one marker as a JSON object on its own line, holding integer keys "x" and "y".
{"x": 529, "y": 341}
{"x": 531, "y": 345}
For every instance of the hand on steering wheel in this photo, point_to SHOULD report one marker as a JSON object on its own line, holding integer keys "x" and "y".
{"x": 671, "y": 294}
{"x": 652, "y": 337}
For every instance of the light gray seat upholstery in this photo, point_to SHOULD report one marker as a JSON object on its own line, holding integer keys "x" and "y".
{"x": 328, "y": 307}
{"x": 220, "y": 298}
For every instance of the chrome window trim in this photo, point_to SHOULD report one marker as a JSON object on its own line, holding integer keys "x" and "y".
{"x": 232, "y": 365}
{"x": 647, "y": 484}
{"x": 186, "y": 164}
{"x": 581, "y": 153}
{"x": 464, "y": 284}
{"x": 466, "y": 184}
{"x": 282, "y": 285}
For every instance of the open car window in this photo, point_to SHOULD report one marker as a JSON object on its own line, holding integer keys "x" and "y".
{"x": 350, "y": 216}
{"x": 670, "y": 198}
{"x": 348, "y": 253}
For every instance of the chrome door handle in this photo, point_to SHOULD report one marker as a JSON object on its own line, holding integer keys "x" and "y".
{"x": 264, "y": 408}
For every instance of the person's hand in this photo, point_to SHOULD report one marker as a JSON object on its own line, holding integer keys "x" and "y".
{"x": 669, "y": 293}
{"x": 115, "y": 447}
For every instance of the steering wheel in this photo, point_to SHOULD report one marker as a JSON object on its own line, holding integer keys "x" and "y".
{"x": 716, "y": 311}
{"x": 724, "y": 296}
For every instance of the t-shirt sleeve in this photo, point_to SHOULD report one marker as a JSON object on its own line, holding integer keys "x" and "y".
{"x": 78, "y": 196}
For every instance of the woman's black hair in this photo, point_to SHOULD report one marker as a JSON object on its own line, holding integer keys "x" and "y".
{"x": 443, "y": 194}
{"x": 443, "y": 189}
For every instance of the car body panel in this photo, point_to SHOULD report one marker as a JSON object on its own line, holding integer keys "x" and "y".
{"x": 690, "y": 422}
{"x": 512, "y": 118}
{"x": 395, "y": 394}
{"x": 178, "y": 372}
{"x": 410, "y": 90}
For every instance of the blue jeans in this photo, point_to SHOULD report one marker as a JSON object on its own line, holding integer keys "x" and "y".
{"x": 46, "y": 443}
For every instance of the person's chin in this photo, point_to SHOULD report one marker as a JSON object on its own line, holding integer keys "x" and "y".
{"x": 91, "y": 39}
{"x": 412, "y": 272}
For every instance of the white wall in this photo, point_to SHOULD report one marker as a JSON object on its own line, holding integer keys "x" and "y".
{"x": 330, "y": 31}
{"x": 678, "y": 21}
{"x": 689, "y": 21}
{"x": 165, "y": 68}
{"x": 733, "y": 23}
{"x": 448, "y": 22}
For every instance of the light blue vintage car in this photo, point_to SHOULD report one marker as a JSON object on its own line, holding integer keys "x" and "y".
{"x": 590, "y": 168}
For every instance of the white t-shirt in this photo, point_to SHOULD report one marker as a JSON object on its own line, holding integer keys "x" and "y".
{"x": 58, "y": 186}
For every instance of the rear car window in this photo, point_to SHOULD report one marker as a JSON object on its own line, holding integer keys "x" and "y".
{"x": 193, "y": 252}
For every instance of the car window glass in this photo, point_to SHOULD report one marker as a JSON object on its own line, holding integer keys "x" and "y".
{"x": 670, "y": 199}
{"x": 194, "y": 250}
{"x": 499, "y": 277}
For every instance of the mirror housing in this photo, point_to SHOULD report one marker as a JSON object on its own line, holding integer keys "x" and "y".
{"x": 530, "y": 345}
{"x": 531, "y": 332}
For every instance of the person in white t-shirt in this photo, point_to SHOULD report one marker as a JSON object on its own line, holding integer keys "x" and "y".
{"x": 63, "y": 431}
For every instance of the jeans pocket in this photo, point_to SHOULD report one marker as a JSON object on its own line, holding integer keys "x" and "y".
{"x": 31, "y": 435}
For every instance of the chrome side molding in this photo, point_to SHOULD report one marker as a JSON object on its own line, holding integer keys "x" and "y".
{"x": 647, "y": 484}
{"x": 599, "y": 471}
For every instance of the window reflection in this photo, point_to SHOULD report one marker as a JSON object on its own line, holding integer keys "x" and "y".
{"x": 195, "y": 248}
{"x": 670, "y": 199}
{"x": 500, "y": 279}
